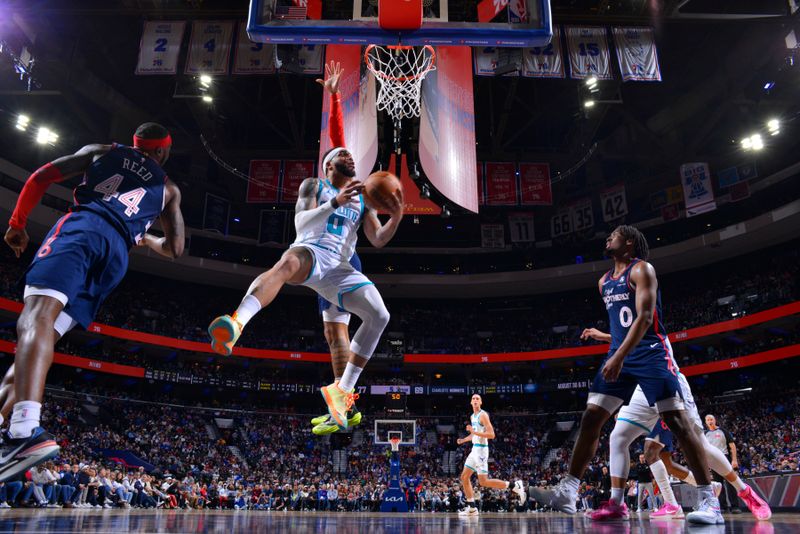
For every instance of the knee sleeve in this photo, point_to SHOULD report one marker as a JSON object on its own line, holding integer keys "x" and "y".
{"x": 623, "y": 435}
{"x": 717, "y": 461}
{"x": 367, "y": 304}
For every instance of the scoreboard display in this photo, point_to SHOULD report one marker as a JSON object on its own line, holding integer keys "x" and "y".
{"x": 395, "y": 402}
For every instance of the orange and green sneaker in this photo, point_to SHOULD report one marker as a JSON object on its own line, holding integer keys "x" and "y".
{"x": 339, "y": 403}
{"x": 224, "y": 331}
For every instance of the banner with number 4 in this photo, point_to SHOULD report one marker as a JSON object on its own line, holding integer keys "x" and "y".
{"x": 210, "y": 47}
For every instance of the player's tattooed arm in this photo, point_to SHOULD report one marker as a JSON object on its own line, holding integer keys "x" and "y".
{"x": 174, "y": 240}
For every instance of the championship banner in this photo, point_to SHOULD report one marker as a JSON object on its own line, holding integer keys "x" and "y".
{"x": 272, "y": 227}
{"x": 637, "y": 55}
{"x": 489, "y": 9}
{"x": 697, "y": 191}
{"x": 501, "y": 184}
{"x": 294, "y": 172}
{"x": 447, "y": 154}
{"x": 160, "y": 47}
{"x": 216, "y": 214}
{"x": 544, "y": 61}
{"x": 534, "y": 184}
{"x": 358, "y": 106}
{"x": 613, "y": 203}
{"x": 520, "y": 228}
{"x": 588, "y": 52}
{"x": 264, "y": 178}
{"x": 250, "y": 57}
{"x": 209, "y": 47}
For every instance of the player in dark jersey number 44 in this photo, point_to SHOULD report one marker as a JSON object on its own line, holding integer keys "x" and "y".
{"x": 83, "y": 258}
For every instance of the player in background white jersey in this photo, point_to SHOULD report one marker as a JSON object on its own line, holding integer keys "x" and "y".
{"x": 328, "y": 214}
{"x": 480, "y": 432}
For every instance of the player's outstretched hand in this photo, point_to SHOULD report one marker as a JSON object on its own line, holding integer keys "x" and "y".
{"x": 591, "y": 333}
{"x": 612, "y": 368}
{"x": 17, "y": 240}
{"x": 333, "y": 71}
{"x": 350, "y": 191}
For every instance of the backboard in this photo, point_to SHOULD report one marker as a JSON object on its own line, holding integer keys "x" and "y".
{"x": 404, "y": 429}
{"x": 445, "y": 22}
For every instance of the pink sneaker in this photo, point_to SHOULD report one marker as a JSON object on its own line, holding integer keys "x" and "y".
{"x": 668, "y": 511}
{"x": 755, "y": 504}
{"x": 610, "y": 511}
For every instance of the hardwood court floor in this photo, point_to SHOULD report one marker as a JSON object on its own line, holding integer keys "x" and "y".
{"x": 121, "y": 521}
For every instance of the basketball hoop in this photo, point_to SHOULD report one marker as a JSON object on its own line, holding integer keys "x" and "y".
{"x": 395, "y": 443}
{"x": 400, "y": 71}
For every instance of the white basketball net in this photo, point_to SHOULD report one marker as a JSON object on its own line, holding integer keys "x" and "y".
{"x": 400, "y": 71}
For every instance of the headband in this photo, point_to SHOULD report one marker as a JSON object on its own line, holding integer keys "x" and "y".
{"x": 151, "y": 144}
{"x": 332, "y": 154}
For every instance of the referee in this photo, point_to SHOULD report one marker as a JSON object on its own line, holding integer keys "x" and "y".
{"x": 722, "y": 439}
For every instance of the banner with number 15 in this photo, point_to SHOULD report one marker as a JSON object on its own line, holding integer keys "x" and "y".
{"x": 210, "y": 47}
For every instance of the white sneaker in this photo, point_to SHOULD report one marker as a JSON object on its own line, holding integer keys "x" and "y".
{"x": 708, "y": 513}
{"x": 106, "y": 505}
{"x": 519, "y": 489}
{"x": 717, "y": 487}
{"x": 4, "y": 505}
{"x": 469, "y": 511}
{"x": 557, "y": 498}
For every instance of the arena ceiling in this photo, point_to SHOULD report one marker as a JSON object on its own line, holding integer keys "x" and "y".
{"x": 716, "y": 57}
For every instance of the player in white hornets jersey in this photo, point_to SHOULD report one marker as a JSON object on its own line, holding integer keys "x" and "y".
{"x": 480, "y": 432}
{"x": 328, "y": 213}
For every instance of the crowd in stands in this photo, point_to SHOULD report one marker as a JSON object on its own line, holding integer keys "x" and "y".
{"x": 192, "y": 459}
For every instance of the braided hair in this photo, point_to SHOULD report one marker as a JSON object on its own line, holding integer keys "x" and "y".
{"x": 641, "y": 249}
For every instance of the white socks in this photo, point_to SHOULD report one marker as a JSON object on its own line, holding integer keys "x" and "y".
{"x": 349, "y": 377}
{"x": 618, "y": 495}
{"x": 738, "y": 484}
{"x": 705, "y": 492}
{"x": 24, "y": 418}
{"x": 662, "y": 479}
{"x": 247, "y": 310}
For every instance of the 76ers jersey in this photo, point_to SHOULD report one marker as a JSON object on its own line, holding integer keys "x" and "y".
{"x": 339, "y": 232}
{"x": 126, "y": 187}
{"x": 619, "y": 297}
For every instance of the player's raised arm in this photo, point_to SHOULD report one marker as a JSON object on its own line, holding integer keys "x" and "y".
{"x": 333, "y": 72}
{"x": 380, "y": 234}
{"x": 174, "y": 240}
{"x": 56, "y": 171}
{"x": 643, "y": 275}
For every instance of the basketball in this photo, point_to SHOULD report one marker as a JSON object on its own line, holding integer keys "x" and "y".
{"x": 379, "y": 187}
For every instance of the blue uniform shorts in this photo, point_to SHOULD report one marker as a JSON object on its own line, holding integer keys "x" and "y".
{"x": 84, "y": 258}
{"x": 662, "y": 434}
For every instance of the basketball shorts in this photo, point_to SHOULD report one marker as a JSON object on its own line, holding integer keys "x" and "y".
{"x": 336, "y": 314}
{"x": 640, "y": 413}
{"x": 649, "y": 369}
{"x": 330, "y": 277}
{"x": 81, "y": 261}
{"x": 661, "y": 434}
{"x": 478, "y": 460}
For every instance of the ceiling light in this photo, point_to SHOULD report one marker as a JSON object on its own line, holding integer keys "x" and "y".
{"x": 205, "y": 79}
{"x": 43, "y": 135}
{"x": 22, "y": 122}
{"x": 747, "y": 143}
{"x": 758, "y": 143}
{"x": 207, "y": 99}
{"x": 589, "y": 103}
{"x": 591, "y": 80}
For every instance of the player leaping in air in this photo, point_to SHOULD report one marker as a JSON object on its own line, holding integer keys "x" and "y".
{"x": 480, "y": 432}
{"x": 83, "y": 258}
{"x": 639, "y": 356}
{"x": 328, "y": 214}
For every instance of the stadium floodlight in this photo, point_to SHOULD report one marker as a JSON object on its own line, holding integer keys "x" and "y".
{"x": 774, "y": 126}
{"x": 747, "y": 143}
{"x": 22, "y": 122}
{"x": 589, "y": 104}
{"x": 205, "y": 80}
{"x": 44, "y": 135}
{"x": 591, "y": 81}
{"x": 207, "y": 99}
{"x": 757, "y": 142}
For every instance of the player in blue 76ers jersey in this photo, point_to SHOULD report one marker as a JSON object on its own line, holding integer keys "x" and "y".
{"x": 639, "y": 356}
{"x": 83, "y": 258}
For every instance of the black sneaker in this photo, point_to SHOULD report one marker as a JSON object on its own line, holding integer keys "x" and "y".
{"x": 20, "y": 454}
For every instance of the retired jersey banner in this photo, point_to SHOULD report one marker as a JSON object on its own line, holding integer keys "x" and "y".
{"x": 485, "y": 59}
{"x": 210, "y": 47}
{"x": 582, "y": 215}
{"x": 636, "y": 52}
{"x": 294, "y": 172}
{"x": 588, "y": 52}
{"x": 311, "y": 58}
{"x": 534, "y": 184}
{"x": 613, "y": 203}
{"x": 160, "y": 47}
{"x": 250, "y": 57}
{"x": 520, "y": 228}
{"x": 501, "y": 184}
{"x": 264, "y": 181}
{"x": 697, "y": 192}
{"x": 544, "y": 61}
